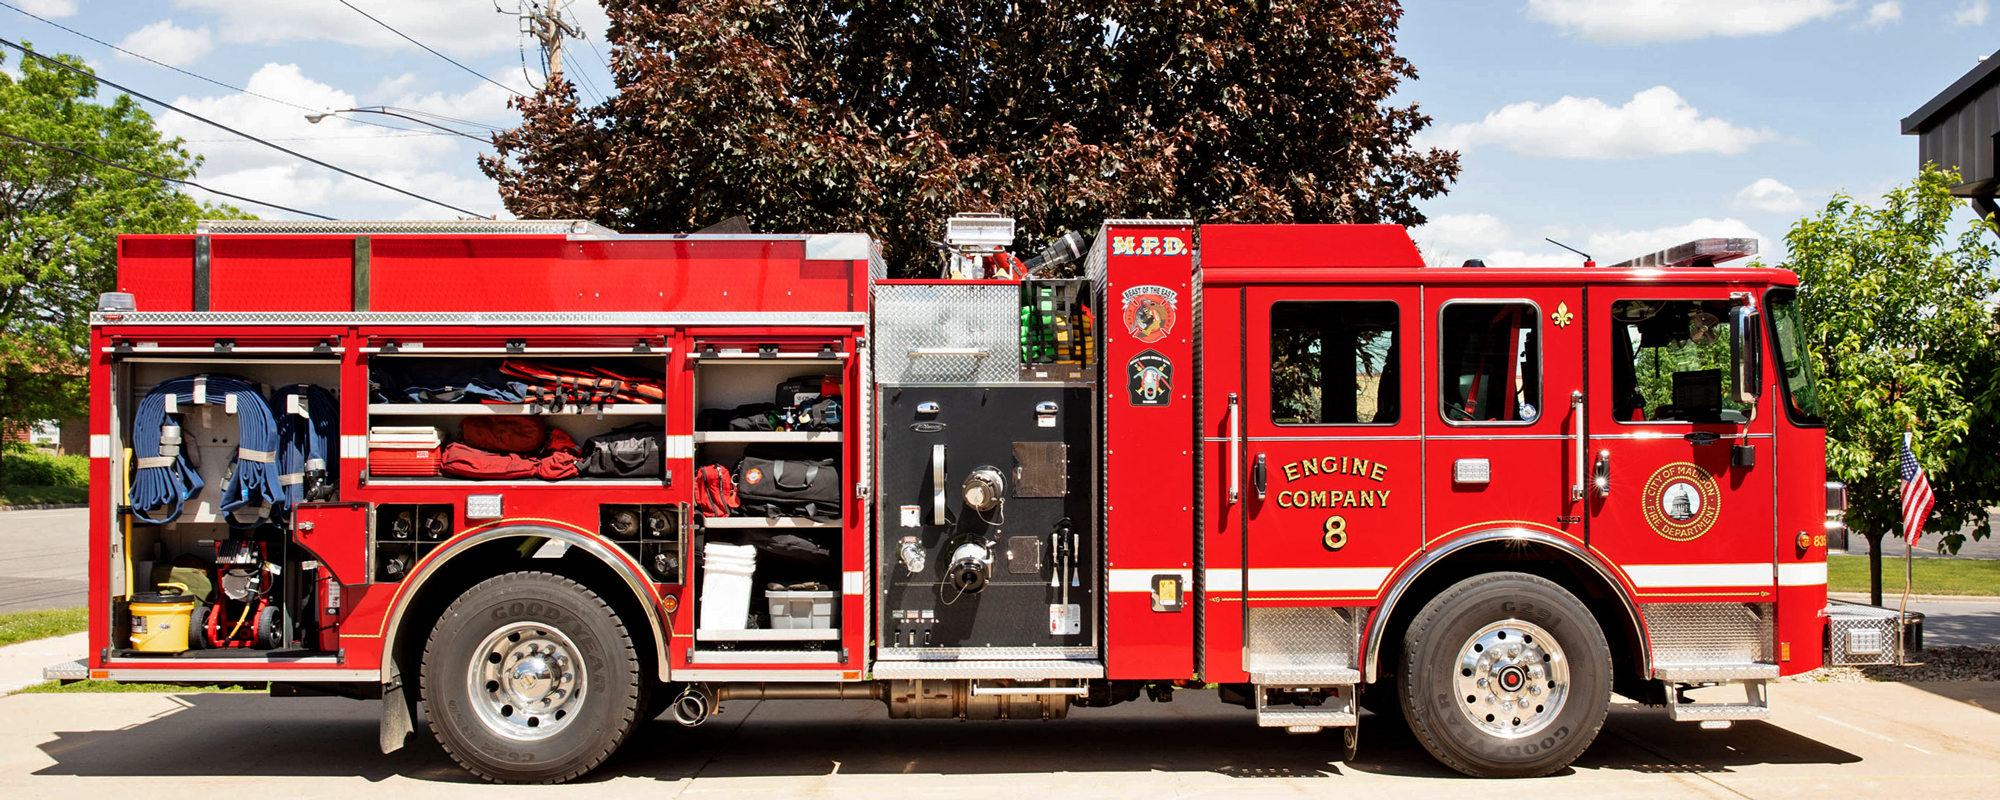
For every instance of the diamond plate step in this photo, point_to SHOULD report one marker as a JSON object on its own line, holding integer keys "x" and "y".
{"x": 66, "y": 671}
{"x": 1326, "y": 676}
{"x": 1712, "y": 672}
{"x": 1304, "y": 717}
{"x": 1697, "y": 712}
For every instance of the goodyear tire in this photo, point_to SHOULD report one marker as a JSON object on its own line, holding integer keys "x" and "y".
{"x": 531, "y": 678}
{"x": 1505, "y": 675}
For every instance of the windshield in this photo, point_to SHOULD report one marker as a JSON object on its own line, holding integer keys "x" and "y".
{"x": 1795, "y": 369}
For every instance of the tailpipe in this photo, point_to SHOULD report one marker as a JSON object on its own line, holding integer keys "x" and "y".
{"x": 693, "y": 706}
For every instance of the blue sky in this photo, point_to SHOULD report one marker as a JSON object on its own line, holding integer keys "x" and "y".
{"x": 1616, "y": 126}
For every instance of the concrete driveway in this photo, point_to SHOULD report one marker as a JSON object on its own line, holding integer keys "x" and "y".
{"x": 1826, "y": 740}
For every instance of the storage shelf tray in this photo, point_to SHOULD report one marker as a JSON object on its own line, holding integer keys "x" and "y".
{"x": 810, "y": 437}
{"x": 484, "y": 409}
{"x": 766, "y": 522}
{"x": 768, "y": 635}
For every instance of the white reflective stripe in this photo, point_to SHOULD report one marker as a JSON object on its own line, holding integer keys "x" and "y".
{"x": 680, "y": 447}
{"x": 1802, "y": 574}
{"x": 1300, "y": 579}
{"x": 100, "y": 445}
{"x": 259, "y": 456}
{"x": 1647, "y": 576}
{"x": 1141, "y": 580}
{"x": 850, "y": 583}
{"x": 354, "y": 446}
{"x": 155, "y": 462}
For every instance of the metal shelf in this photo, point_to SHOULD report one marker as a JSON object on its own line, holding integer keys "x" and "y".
{"x": 766, "y": 522}
{"x": 468, "y": 483}
{"x": 702, "y": 437}
{"x": 767, "y": 635}
{"x": 484, "y": 409}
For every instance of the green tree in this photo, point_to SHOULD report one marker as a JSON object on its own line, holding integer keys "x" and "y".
{"x": 1896, "y": 313}
{"x": 887, "y": 116}
{"x": 60, "y": 215}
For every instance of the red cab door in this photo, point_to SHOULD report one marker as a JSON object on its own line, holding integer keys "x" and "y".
{"x": 1506, "y": 367}
{"x": 1686, "y": 467}
{"x": 1333, "y": 455}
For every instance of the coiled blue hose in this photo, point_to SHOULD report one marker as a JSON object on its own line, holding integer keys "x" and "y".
{"x": 166, "y": 478}
{"x": 307, "y": 468}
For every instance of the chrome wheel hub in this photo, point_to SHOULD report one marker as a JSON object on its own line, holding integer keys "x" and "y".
{"x": 1512, "y": 678}
{"x": 526, "y": 681}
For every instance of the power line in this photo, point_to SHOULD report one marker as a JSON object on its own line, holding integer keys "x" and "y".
{"x": 196, "y": 76}
{"x": 406, "y": 37}
{"x": 277, "y": 147}
{"x": 26, "y": 140}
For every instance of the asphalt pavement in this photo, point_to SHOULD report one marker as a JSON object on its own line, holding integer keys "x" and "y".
{"x": 1934, "y": 741}
{"x": 46, "y": 559}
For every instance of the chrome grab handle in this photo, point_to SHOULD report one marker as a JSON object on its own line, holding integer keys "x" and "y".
{"x": 1235, "y": 450}
{"x": 975, "y": 352}
{"x": 1602, "y": 475}
{"x": 937, "y": 486}
{"x": 1576, "y": 417}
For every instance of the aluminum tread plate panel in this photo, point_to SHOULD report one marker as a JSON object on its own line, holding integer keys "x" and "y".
{"x": 1692, "y": 635}
{"x": 952, "y": 316}
{"x": 988, "y": 669}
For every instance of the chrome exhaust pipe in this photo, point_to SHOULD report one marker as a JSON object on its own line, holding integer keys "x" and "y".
{"x": 692, "y": 707}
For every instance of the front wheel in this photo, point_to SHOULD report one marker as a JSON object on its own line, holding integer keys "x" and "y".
{"x": 1505, "y": 675}
{"x": 531, "y": 678}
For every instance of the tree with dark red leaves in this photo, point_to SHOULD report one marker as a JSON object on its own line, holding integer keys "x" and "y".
{"x": 888, "y": 117}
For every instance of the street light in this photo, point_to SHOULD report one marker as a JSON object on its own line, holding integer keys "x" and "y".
{"x": 384, "y": 110}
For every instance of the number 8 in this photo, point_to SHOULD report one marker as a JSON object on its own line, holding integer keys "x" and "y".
{"x": 1336, "y": 532}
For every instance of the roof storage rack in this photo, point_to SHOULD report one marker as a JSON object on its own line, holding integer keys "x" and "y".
{"x": 384, "y": 227}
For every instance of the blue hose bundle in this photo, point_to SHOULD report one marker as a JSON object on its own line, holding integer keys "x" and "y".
{"x": 167, "y": 478}
{"x": 308, "y": 427}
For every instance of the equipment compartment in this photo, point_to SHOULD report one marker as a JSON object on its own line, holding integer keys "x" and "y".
{"x": 790, "y": 437}
{"x": 209, "y": 475}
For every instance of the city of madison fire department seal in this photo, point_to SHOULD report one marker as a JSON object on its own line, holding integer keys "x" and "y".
{"x": 1681, "y": 501}
{"x": 1149, "y": 312}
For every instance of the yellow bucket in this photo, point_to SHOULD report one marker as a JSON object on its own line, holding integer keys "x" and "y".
{"x": 160, "y": 620}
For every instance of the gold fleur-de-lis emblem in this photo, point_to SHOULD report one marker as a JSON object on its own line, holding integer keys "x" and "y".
{"x": 1561, "y": 316}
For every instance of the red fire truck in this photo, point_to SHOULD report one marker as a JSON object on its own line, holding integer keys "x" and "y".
{"x": 550, "y": 481}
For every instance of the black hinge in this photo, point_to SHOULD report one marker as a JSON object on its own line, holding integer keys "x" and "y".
{"x": 767, "y": 351}
{"x": 517, "y": 346}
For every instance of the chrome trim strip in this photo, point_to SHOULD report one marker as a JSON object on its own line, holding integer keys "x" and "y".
{"x": 393, "y": 227}
{"x": 242, "y": 672}
{"x": 1411, "y": 438}
{"x": 766, "y": 675}
{"x": 1550, "y": 437}
{"x": 1377, "y": 626}
{"x": 589, "y": 544}
{"x": 1150, "y": 223}
{"x": 1663, "y": 435}
{"x": 581, "y": 318}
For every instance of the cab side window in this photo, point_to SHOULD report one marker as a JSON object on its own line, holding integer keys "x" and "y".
{"x": 1335, "y": 363}
{"x": 1490, "y": 363}
{"x": 1670, "y": 362}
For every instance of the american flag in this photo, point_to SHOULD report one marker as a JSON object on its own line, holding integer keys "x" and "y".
{"x": 1917, "y": 497}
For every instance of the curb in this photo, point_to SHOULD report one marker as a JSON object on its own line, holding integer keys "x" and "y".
{"x": 43, "y": 506}
{"x": 1888, "y": 598}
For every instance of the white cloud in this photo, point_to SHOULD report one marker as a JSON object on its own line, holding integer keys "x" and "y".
{"x": 1767, "y": 194}
{"x": 1638, "y": 21}
{"x": 426, "y": 165}
{"x": 1655, "y": 122}
{"x": 454, "y": 27}
{"x": 1972, "y": 14}
{"x": 169, "y": 43}
{"x": 49, "y": 8}
{"x": 1448, "y": 239}
{"x": 1882, "y": 14}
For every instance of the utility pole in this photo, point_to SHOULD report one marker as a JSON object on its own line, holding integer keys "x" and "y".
{"x": 543, "y": 20}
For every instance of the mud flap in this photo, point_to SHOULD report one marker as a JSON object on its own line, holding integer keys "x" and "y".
{"x": 398, "y": 709}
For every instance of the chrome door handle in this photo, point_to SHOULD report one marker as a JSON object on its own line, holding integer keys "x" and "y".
{"x": 1602, "y": 475}
{"x": 1235, "y": 450}
{"x": 1257, "y": 476}
{"x": 1576, "y": 417}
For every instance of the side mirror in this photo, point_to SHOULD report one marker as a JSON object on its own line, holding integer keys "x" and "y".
{"x": 1746, "y": 348}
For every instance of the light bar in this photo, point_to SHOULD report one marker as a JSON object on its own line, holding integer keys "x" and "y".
{"x": 1698, "y": 253}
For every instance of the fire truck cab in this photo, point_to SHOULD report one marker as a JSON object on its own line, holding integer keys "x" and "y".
{"x": 549, "y": 481}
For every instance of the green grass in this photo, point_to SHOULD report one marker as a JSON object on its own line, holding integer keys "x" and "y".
{"x": 24, "y": 626}
{"x": 39, "y": 495}
{"x": 1929, "y": 575}
{"x": 102, "y": 687}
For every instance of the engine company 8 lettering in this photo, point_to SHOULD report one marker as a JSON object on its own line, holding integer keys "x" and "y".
{"x": 1334, "y": 498}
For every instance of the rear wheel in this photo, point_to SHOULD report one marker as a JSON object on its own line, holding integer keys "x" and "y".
{"x": 1505, "y": 675}
{"x": 531, "y": 678}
